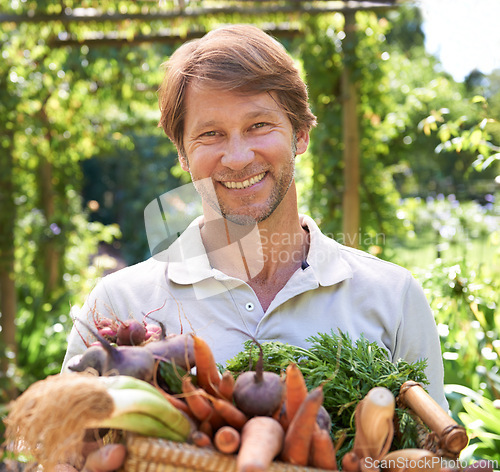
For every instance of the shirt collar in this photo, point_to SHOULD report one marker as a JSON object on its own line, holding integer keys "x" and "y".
{"x": 188, "y": 261}
{"x": 325, "y": 257}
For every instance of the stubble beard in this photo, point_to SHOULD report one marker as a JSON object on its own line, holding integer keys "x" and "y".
{"x": 251, "y": 215}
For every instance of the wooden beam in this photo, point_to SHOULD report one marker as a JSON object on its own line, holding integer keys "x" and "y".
{"x": 86, "y": 15}
{"x": 350, "y": 131}
{"x": 166, "y": 37}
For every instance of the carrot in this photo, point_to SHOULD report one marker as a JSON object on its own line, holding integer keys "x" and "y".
{"x": 230, "y": 413}
{"x": 322, "y": 454}
{"x": 281, "y": 416}
{"x": 216, "y": 419}
{"x": 227, "y": 440}
{"x": 226, "y": 385}
{"x": 261, "y": 441}
{"x": 299, "y": 434}
{"x": 195, "y": 398}
{"x": 296, "y": 390}
{"x": 206, "y": 369}
{"x": 175, "y": 401}
{"x": 351, "y": 462}
{"x": 178, "y": 403}
{"x": 206, "y": 428}
{"x": 201, "y": 439}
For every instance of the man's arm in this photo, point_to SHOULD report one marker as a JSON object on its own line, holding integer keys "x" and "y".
{"x": 418, "y": 339}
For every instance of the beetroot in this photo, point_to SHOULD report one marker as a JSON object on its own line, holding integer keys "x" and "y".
{"x": 130, "y": 333}
{"x": 153, "y": 332}
{"x": 122, "y": 360}
{"x": 109, "y": 333}
{"x": 258, "y": 393}
{"x": 103, "y": 322}
{"x": 177, "y": 349}
{"x": 94, "y": 357}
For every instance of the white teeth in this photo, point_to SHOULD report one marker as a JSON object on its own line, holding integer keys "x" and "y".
{"x": 245, "y": 183}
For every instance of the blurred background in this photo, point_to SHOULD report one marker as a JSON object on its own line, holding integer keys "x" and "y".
{"x": 404, "y": 162}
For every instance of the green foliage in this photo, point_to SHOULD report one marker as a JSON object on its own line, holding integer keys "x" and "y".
{"x": 486, "y": 418}
{"x": 465, "y": 302}
{"x": 458, "y": 135}
{"x": 481, "y": 417}
{"x": 445, "y": 228}
{"x": 462, "y": 286}
{"x": 122, "y": 199}
{"x": 347, "y": 370}
{"x": 399, "y": 88}
{"x": 42, "y": 324}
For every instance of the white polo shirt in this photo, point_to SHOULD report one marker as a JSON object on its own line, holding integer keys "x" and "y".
{"x": 337, "y": 288}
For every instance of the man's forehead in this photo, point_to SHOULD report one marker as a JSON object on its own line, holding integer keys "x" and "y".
{"x": 213, "y": 99}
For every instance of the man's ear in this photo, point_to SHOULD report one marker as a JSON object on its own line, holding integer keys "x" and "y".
{"x": 184, "y": 162}
{"x": 302, "y": 141}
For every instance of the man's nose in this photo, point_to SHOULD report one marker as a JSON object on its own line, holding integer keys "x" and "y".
{"x": 237, "y": 154}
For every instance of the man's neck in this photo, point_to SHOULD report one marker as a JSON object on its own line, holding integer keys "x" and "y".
{"x": 264, "y": 255}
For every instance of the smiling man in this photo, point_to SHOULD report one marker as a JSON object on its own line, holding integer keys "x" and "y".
{"x": 237, "y": 110}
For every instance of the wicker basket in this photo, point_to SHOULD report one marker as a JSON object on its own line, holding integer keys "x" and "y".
{"x": 159, "y": 455}
{"x": 147, "y": 454}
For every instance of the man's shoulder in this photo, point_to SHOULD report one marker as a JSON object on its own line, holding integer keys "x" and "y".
{"x": 148, "y": 269}
{"x": 365, "y": 259}
{"x": 369, "y": 269}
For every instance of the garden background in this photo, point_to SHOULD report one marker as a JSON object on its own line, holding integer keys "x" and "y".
{"x": 81, "y": 156}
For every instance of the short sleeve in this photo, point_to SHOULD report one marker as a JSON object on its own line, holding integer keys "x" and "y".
{"x": 418, "y": 339}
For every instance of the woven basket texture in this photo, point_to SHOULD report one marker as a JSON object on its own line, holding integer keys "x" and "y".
{"x": 159, "y": 455}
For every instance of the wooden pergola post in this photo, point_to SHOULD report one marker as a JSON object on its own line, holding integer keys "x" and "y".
{"x": 351, "y": 200}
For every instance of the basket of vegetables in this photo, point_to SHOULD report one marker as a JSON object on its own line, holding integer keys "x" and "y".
{"x": 338, "y": 405}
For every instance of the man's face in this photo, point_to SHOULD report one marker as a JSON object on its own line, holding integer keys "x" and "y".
{"x": 244, "y": 146}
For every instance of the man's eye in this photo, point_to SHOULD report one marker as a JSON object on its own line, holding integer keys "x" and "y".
{"x": 259, "y": 125}
{"x": 209, "y": 133}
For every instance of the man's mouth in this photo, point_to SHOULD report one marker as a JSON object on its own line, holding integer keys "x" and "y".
{"x": 245, "y": 183}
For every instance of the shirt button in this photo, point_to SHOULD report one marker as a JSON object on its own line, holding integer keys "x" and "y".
{"x": 249, "y": 306}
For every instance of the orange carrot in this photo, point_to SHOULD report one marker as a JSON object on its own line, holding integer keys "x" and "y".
{"x": 227, "y": 440}
{"x": 322, "y": 454}
{"x": 261, "y": 441}
{"x": 226, "y": 385}
{"x": 195, "y": 398}
{"x": 207, "y": 372}
{"x": 299, "y": 434}
{"x": 296, "y": 390}
{"x": 177, "y": 402}
{"x": 351, "y": 462}
{"x": 216, "y": 420}
{"x": 281, "y": 416}
{"x": 206, "y": 428}
{"x": 201, "y": 439}
{"x": 234, "y": 417}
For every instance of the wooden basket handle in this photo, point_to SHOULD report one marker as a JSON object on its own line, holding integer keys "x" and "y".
{"x": 452, "y": 436}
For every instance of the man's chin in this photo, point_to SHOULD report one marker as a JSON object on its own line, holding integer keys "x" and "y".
{"x": 241, "y": 219}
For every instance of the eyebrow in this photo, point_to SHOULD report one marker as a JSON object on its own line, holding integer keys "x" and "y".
{"x": 262, "y": 113}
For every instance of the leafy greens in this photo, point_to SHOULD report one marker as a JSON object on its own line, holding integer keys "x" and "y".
{"x": 347, "y": 370}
